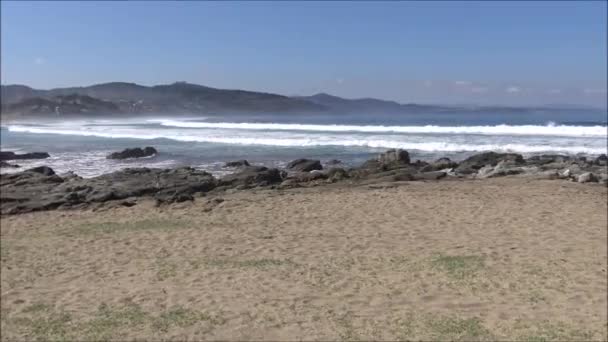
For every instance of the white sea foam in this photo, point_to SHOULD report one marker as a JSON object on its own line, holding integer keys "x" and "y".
{"x": 547, "y": 130}
{"x": 447, "y": 144}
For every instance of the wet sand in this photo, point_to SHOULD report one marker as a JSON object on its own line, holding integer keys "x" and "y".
{"x": 506, "y": 258}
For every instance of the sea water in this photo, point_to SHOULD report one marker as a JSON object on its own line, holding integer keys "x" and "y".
{"x": 273, "y": 140}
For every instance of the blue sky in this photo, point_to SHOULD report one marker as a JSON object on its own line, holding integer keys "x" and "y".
{"x": 435, "y": 52}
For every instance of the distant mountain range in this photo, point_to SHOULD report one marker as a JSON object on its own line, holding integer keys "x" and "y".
{"x": 129, "y": 99}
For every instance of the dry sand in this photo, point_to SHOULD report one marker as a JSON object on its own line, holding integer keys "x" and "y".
{"x": 471, "y": 260}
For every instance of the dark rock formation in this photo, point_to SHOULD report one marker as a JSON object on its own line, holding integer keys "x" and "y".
{"x": 602, "y": 160}
{"x": 45, "y": 170}
{"x": 394, "y": 156}
{"x": 252, "y": 176}
{"x": 388, "y": 160}
{"x": 5, "y": 164}
{"x": 304, "y": 165}
{"x": 237, "y": 163}
{"x": 7, "y": 155}
{"x": 303, "y": 177}
{"x": 439, "y": 164}
{"x": 476, "y": 162}
{"x": 41, "y": 189}
{"x": 133, "y": 153}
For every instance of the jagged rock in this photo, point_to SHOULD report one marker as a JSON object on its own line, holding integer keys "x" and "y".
{"x": 476, "y": 162}
{"x": 7, "y": 155}
{"x": 133, "y": 153}
{"x": 586, "y": 178}
{"x": 237, "y": 163}
{"x": 304, "y": 165}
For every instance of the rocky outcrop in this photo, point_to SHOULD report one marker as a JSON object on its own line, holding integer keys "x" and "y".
{"x": 304, "y": 165}
{"x": 252, "y": 176}
{"x": 137, "y": 152}
{"x": 7, "y": 155}
{"x": 391, "y": 159}
{"x": 476, "y": 162}
{"x": 237, "y": 163}
{"x": 41, "y": 189}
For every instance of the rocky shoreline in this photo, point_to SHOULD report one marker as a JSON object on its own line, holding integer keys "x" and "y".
{"x": 41, "y": 189}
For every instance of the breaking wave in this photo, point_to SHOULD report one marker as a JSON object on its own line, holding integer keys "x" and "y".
{"x": 550, "y": 129}
{"x": 447, "y": 143}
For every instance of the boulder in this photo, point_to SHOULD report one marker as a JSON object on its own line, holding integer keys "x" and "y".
{"x": 476, "y": 162}
{"x": 237, "y": 163}
{"x": 133, "y": 153}
{"x": 7, "y": 155}
{"x": 586, "y": 178}
{"x": 304, "y": 165}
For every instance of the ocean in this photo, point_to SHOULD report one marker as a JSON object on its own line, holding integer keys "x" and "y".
{"x": 274, "y": 140}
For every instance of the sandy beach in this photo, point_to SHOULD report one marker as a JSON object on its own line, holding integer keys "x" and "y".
{"x": 495, "y": 259}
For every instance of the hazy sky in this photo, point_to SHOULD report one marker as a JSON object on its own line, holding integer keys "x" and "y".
{"x": 436, "y": 52}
